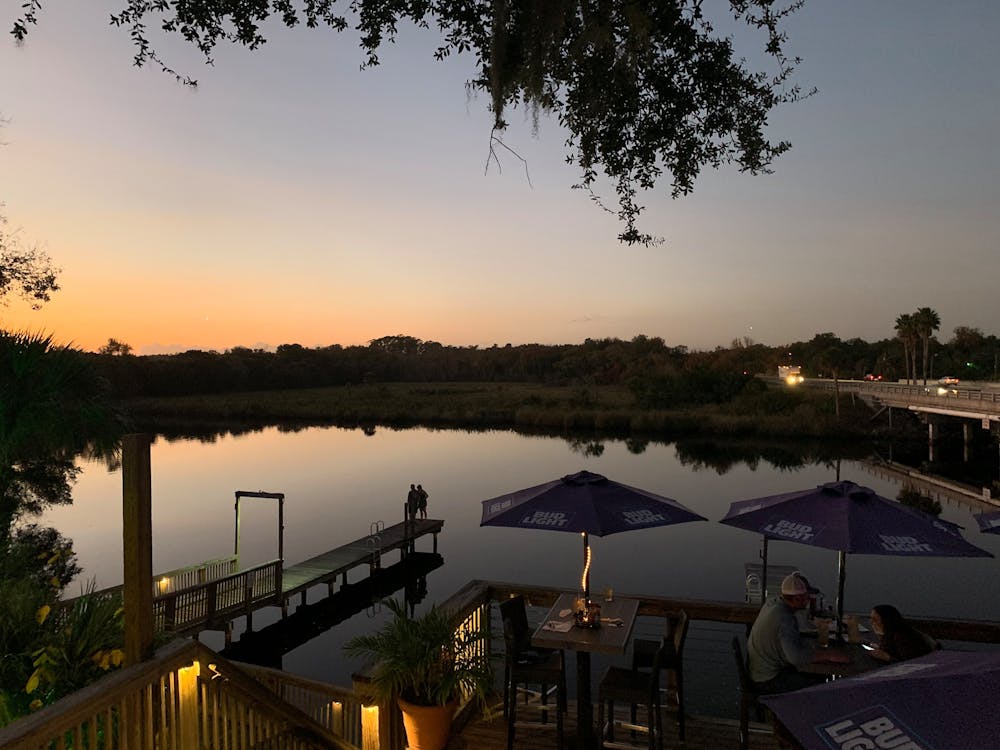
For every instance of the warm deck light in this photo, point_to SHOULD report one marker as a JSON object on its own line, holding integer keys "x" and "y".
{"x": 369, "y": 728}
{"x": 337, "y": 717}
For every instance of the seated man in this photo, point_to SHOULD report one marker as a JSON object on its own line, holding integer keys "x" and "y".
{"x": 775, "y": 648}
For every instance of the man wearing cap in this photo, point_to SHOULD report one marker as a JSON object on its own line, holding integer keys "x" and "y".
{"x": 775, "y": 648}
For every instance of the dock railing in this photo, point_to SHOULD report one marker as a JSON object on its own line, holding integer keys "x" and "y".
{"x": 217, "y": 601}
{"x": 206, "y": 595}
{"x": 192, "y": 575}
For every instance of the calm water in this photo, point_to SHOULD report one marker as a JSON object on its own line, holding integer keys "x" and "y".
{"x": 338, "y": 482}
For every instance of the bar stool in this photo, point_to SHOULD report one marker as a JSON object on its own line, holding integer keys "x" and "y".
{"x": 526, "y": 666}
{"x": 748, "y": 694}
{"x": 643, "y": 652}
{"x": 633, "y": 687}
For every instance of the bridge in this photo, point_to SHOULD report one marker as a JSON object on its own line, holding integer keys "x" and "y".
{"x": 980, "y": 402}
{"x": 933, "y": 402}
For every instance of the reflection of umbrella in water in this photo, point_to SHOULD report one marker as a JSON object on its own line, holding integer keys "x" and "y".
{"x": 849, "y": 518}
{"x": 989, "y": 523}
{"x": 584, "y": 503}
{"x": 936, "y": 701}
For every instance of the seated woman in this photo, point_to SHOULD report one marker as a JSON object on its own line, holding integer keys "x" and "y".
{"x": 898, "y": 640}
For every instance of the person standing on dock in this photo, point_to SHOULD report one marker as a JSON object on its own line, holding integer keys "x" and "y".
{"x": 422, "y": 501}
{"x": 412, "y": 502}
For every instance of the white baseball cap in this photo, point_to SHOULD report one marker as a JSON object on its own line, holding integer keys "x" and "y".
{"x": 793, "y": 585}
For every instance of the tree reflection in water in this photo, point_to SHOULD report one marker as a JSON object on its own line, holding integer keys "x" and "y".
{"x": 54, "y": 408}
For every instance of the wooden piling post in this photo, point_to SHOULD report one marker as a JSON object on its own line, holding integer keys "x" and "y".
{"x": 137, "y": 547}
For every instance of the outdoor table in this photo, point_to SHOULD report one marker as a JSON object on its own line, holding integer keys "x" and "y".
{"x": 861, "y": 661}
{"x": 607, "y": 639}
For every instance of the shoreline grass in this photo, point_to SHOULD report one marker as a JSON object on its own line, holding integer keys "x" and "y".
{"x": 524, "y": 406}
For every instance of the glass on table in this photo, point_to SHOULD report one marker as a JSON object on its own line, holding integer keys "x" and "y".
{"x": 853, "y": 628}
{"x": 822, "y": 631}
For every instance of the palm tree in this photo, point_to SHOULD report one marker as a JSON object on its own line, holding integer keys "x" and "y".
{"x": 54, "y": 406}
{"x": 906, "y": 330}
{"x": 927, "y": 321}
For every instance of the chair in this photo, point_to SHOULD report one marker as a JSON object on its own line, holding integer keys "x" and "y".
{"x": 748, "y": 694}
{"x": 643, "y": 653}
{"x": 529, "y": 666}
{"x": 633, "y": 686}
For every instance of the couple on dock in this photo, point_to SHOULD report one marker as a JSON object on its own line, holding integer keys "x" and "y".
{"x": 416, "y": 500}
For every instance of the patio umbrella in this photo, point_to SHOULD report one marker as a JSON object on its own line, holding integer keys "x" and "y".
{"x": 584, "y": 503}
{"x": 849, "y": 518}
{"x": 936, "y": 702}
{"x": 989, "y": 523}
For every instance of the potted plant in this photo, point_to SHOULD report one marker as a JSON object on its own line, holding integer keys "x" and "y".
{"x": 426, "y": 664}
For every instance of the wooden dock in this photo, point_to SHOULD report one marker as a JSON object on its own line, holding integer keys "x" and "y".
{"x": 215, "y": 603}
{"x": 367, "y": 551}
{"x": 266, "y": 646}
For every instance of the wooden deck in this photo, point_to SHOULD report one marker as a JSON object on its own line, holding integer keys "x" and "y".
{"x": 701, "y": 733}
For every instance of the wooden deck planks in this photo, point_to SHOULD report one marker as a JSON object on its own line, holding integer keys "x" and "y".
{"x": 701, "y": 733}
{"x": 338, "y": 561}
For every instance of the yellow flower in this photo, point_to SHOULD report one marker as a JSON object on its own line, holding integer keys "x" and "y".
{"x": 54, "y": 583}
{"x": 42, "y": 613}
{"x": 117, "y": 657}
{"x": 102, "y": 659}
{"x": 35, "y": 704}
{"x": 33, "y": 681}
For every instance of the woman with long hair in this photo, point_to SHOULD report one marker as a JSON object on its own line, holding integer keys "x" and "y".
{"x": 898, "y": 640}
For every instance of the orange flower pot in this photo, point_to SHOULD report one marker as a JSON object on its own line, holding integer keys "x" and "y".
{"x": 427, "y": 727}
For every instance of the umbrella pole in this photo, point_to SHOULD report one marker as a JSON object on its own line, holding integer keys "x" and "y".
{"x": 585, "y": 580}
{"x": 841, "y": 573}
{"x": 763, "y": 573}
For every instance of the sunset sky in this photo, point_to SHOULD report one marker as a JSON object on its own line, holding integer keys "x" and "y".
{"x": 292, "y": 198}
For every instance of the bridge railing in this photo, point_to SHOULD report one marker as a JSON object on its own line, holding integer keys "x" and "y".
{"x": 931, "y": 393}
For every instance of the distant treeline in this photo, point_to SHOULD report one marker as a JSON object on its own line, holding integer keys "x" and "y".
{"x": 656, "y": 373}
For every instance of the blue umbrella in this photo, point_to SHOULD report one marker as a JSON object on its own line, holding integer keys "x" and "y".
{"x": 989, "y": 523}
{"x": 584, "y": 503}
{"x": 935, "y": 702}
{"x": 849, "y": 518}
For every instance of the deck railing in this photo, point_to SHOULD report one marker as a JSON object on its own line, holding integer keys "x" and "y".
{"x": 185, "y": 697}
{"x": 337, "y": 709}
{"x": 188, "y": 696}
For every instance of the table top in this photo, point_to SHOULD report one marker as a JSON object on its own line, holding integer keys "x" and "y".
{"x": 861, "y": 661}
{"x": 606, "y": 639}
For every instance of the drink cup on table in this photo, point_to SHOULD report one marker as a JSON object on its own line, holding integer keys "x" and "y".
{"x": 853, "y": 628}
{"x": 822, "y": 631}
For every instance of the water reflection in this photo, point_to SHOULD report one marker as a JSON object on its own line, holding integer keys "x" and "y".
{"x": 338, "y": 481}
{"x": 267, "y": 646}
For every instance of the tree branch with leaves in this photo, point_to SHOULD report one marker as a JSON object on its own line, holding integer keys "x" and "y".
{"x": 648, "y": 90}
{"x": 24, "y": 271}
